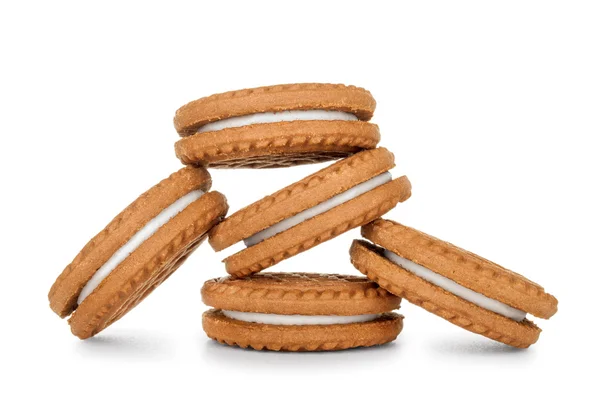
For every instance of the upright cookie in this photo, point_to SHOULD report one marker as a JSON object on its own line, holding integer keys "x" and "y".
{"x": 461, "y": 287}
{"x": 345, "y": 195}
{"x": 276, "y": 126}
{"x": 299, "y": 312}
{"x": 137, "y": 251}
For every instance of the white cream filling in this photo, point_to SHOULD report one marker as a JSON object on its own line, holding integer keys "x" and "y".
{"x": 324, "y": 206}
{"x": 297, "y": 319}
{"x": 283, "y": 116}
{"x": 456, "y": 289}
{"x": 136, "y": 240}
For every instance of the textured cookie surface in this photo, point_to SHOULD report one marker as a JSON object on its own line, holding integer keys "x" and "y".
{"x": 276, "y": 144}
{"x": 148, "y": 266}
{"x": 299, "y": 293}
{"x": 368, "y": 259}
{"x": 354, "y": 213}
{"x": 258, "y": 336}
{"x": 64, "y": 292}
{"x": 279, "y": 144}
{"x": 463, "y": 267}
{"x": 283, "y": 97}
{"x": 299, "y": 196}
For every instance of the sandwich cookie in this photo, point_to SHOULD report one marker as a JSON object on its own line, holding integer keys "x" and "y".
{"x": 461, "y": 287}
{"x": 345, "y": 195}
{"x": 300, "y": 312}
{"x": 137, "y": 251}
{"x": 276, "y": 126}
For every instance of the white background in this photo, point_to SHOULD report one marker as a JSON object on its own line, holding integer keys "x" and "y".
{"x": 492, "y": 110}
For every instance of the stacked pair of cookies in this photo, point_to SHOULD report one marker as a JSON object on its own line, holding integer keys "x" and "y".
{"x": 281, "y": 126}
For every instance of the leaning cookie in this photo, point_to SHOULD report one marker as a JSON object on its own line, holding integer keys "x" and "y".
{"x": 345, "y": 195}
{"x": 300, "y": 312}
{"x": 461, "y": 287}
{"x": 276, "y": 126}
{"x": 137, "y": 251}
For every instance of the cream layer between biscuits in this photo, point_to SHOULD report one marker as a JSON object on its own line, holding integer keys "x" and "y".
{"x": 455, "y": 288}
{"x": 283, "y": 116}
{"x": 136, "y": 241}
{"x": 297, "y": 319}
{"x": 324, "y": 206}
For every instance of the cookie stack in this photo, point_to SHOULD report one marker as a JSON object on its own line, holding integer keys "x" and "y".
{"x": 281, "y": 126}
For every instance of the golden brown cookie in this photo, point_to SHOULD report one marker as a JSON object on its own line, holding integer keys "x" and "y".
{"x": 276, "y": 126}
{"x": 345, "y": 195}
{"x": 137, "y": 251}
{"x": 461, "y": 287}
{"x": 300, "y": 312}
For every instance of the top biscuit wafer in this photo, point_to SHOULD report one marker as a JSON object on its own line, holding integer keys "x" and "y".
{"x": 282, "y": 97}
{"x": 299, "y": 293}
{"x": 335, "y": 126}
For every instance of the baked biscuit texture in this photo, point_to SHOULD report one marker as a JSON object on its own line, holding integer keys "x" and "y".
{"x": 299, "y": 293}
{"x": 308, "y": 234}
{"x": 307, "y": 194}
{"x": 258, "y": 336}
{"x": 283, "y": 97}
{"x": 300, "y": 296}
{"x": 369, "y": 260}
{"x": 485, "y": 284}
{"x": 301, "y": 195}
{"x": 149, "y": 264}
{"x": 463, "y": 267}
{"x": 66, "y": 288}
{"x": 278, "y": 143}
